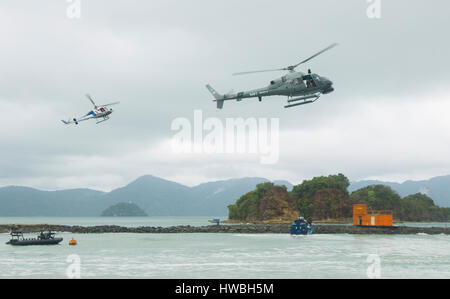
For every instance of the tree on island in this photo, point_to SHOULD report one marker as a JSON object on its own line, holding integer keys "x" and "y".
{"x": 124, "y": 209}
{"x": 267, "y": 203}
{"x": 420, "y": 207}
{"x": 378, "y": 197}
{"x": 323, "y": 197}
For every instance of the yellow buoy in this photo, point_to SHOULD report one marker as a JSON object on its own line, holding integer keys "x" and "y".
{"x": 73, "y": 242}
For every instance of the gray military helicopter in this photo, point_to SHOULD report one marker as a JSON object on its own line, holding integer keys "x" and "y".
{"x": 300, "y": 88}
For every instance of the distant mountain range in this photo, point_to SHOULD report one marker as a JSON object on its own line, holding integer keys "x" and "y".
{"x": 160, "y": 197}
{"x": 157, "y": 196}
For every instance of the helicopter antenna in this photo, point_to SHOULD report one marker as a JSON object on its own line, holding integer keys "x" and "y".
{"x": 290, "y": 68}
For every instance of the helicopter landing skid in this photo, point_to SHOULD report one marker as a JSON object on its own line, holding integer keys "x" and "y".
{"x": 104, "y": 119}
{"x": 304, "y": 100}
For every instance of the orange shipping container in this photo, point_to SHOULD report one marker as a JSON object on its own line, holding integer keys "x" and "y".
{"x": 363, "y": 217}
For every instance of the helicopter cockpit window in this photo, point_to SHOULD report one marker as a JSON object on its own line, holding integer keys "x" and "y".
{"x": 283, "y": 79}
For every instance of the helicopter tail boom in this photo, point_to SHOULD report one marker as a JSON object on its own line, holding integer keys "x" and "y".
{"x": 218, "y": 97}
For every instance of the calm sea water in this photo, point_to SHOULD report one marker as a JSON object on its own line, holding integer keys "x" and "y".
{"x": 223, "y": 255}
{"x": 120, "y": 221}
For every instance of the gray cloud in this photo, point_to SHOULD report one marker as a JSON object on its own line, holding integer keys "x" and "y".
{"x": 386, "y": 118}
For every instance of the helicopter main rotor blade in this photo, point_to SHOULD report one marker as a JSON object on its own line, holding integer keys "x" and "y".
{"x": 92, "y": 101}
{"x": 292, "y": 67}
{"x": 115, "y": 103}
{"x": 253, "y": 72}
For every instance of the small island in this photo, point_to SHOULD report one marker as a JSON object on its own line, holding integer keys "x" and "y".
{"x": 327, "y": 199}
{"x": 124, "y": 209}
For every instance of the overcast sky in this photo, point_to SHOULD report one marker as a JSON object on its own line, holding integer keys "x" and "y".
{"x": 387, "y": 119}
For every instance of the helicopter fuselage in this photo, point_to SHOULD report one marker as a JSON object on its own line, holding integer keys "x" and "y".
{"x": 291, "y": 85}
{"x": 100, "y": 112}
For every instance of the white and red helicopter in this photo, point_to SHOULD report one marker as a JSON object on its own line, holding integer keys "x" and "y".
{"x": 100, "y": 112}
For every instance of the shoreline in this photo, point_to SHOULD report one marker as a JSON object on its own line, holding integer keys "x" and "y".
{"x": 268, "y": 228}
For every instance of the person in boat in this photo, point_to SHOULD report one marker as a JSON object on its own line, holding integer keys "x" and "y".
{"x": 300, "y": 220}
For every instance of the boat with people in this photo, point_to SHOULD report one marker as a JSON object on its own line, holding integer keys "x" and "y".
{"x": 301, "y": 227}
{"x": 44, "y": 238}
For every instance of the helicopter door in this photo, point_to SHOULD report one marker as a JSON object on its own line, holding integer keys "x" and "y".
{"x": 291, "y": 86}
{"x": 299, "y": 84}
